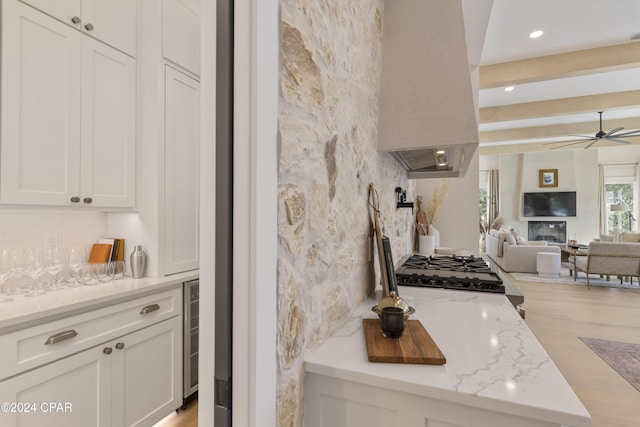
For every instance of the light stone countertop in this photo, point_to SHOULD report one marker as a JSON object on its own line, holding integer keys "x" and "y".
{"x": 27, "y": 311}
{"x": 493, "y": 359}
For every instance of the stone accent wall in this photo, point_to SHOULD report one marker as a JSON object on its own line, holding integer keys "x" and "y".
{"x": 328, "y": 111}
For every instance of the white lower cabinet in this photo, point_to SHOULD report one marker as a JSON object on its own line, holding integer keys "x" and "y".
{"x": 81, "y": 383}
{"x": 132, "y": 380}
{"x": 147, "y": 380}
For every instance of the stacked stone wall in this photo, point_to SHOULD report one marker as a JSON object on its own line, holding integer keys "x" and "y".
{"x": 330, "y": 59}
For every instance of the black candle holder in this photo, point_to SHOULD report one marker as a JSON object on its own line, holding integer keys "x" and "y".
{"x": 392, "y": 320}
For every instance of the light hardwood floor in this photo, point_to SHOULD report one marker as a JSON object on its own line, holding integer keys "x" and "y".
{"x": 558, "y": 314}
{"x": 184, "y": 418}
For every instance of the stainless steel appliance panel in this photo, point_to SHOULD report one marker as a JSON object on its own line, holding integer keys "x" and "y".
{"x": 191, "y": 329}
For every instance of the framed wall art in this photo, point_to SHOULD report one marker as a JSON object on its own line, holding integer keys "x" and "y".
{"x": 548, "y": 178}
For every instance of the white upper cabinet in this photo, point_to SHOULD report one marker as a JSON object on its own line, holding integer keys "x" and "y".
{"x": 68, "y": 115}
{"x": 181, "y": 33}
{"x": 110, "y": 21}
{"x": 181, "y": 172}
{"x": 107, "y": 166}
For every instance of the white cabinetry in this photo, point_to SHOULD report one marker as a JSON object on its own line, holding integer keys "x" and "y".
{"x": 181, "y": 33}
{"x": 181, "y": 173}
{"x": 121, "y": 366}
{"x": 110, "y": 21}
{"x": 68, "y": 113}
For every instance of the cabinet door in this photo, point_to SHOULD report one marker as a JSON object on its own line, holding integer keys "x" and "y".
{"x": 64, "y": 10}
{"x": 148, "y": 374}
{"x": 108, "y": 126}
{"x": 181, "y": 181}
{"x": 73, "y": 392}
{"x": 181, "y": 33}
{"x": 112, "y": 21}
{"x": 40, "y": 108}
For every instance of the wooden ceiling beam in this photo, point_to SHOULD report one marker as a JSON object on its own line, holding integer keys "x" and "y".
{"x": 536, "y": 147}
{"x": 559, "y": 107}
{"x": 571, "y": 64}
{"x": 535, "y": 132}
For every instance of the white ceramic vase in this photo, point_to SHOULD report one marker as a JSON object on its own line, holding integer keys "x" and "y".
{"x": 436, "y": 236}
{"x": 425, "y": 245}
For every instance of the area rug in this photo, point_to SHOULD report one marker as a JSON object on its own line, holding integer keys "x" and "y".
{"x": 622, "y": 356}
{"x": 565, "y": 278}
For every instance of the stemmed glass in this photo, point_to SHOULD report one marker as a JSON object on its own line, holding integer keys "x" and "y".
{"x": 34, "y": 267}
{"x": 56, "y": 260}
{"x": 77, "y": 259}
{"x": 5, "y": 273}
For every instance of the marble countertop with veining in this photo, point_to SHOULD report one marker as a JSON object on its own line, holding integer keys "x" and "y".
{"x": 26, "y": 311}
{"x": 493, "y": 359}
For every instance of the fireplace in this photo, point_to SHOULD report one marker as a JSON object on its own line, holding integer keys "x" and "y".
{"x": 551, "y": 231}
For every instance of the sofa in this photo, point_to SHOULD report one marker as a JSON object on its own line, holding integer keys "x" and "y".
{"x": 621, "y": 259}
{"x": 514, "y": 254}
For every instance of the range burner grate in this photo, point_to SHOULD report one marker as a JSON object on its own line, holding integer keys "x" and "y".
{"x": 467, "y": 273}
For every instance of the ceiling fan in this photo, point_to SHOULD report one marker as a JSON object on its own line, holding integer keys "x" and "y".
{"x": 612, "y": 135}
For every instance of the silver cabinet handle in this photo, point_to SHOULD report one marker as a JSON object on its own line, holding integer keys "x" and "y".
{"x": 149, "y": 308}
{"x": 76, "y": 20}
{"x": 120, "y": 345}
{"x": 89, "y": 27}
{"x": 107, "y": 350}
{"x": 61, "y": 336}
{"x": 75, "y": 199}
{"x": 87, "y": 200}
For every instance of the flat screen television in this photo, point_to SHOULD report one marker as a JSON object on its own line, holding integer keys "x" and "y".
{"x": 553, "y": 203}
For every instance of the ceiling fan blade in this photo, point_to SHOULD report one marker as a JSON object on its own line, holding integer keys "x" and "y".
{"x": 621, "y": 141}
{"x": 611, "y": 132}
{"x": 574, "y": 143}
{"x": 628, "y": 134}
{"x": 573, "y": 140}
{"x": 589, "y": 145}
{"x": 584, "y": 136}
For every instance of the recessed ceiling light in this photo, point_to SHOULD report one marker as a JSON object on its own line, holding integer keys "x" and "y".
{"x": 440, "y": 152}
{"x": 535, "y": 34}
{"x": 508, "y": 88}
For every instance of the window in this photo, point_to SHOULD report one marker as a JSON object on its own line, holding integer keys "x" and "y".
{"x": 483, "y": 195}
{"x": 620, "y": 196}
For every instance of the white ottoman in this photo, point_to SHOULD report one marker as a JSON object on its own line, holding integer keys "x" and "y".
{"x": 548, "y": 264}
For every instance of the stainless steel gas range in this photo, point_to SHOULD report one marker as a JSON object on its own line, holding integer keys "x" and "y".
{"x": 462, "y": 273}
{"x": 465, "y": 273}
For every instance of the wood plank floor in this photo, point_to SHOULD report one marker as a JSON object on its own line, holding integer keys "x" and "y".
{"x": 184, "y": 418}
{"x": 558, "y": 314}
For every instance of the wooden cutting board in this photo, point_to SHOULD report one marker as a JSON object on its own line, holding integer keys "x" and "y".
{"x": 414, "y": 346}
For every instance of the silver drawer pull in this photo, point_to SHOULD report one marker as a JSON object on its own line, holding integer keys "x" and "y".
{"x": 61, "y": 336}
{"x": 150, "y": 308}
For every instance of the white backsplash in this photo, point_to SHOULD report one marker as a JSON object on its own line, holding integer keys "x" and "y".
{"x": 21, "y": 228}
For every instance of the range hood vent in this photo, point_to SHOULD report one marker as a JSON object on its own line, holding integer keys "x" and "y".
{"x": 426, "y": 98}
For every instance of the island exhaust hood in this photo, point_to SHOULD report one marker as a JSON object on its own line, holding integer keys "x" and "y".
{"x": 427, "y": 113}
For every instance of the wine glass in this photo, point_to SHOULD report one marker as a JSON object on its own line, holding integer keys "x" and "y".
{"x": 56, "y": 260}
{"x": 5, "y": 274}
{"x": 77, "y": 260}
{"x": 17, "y": 264}
{"x": 34, "y": 267}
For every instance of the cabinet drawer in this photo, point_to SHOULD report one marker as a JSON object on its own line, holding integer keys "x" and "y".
{"x": 31, "y": 347}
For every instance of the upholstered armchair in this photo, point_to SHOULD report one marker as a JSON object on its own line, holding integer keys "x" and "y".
{"x": 610, "y": 258}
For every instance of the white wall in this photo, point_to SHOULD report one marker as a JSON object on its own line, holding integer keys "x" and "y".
{"x": 460, "y": 216}
{"x": 577, "y": 171}
{"x": 26, "y": 227}
{"x": 618, "y": 155}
